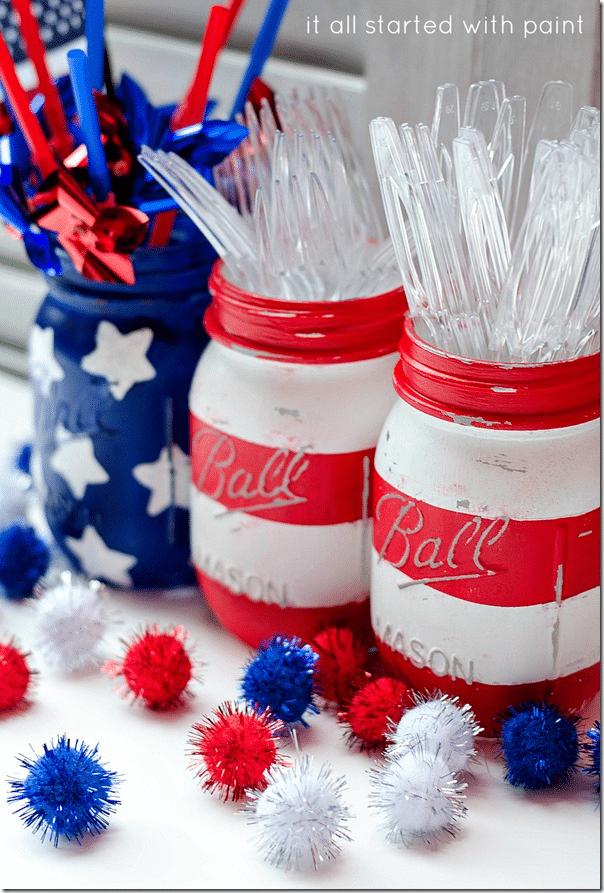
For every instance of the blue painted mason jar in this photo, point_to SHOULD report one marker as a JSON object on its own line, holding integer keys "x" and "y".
{"x": 111, "y": 367}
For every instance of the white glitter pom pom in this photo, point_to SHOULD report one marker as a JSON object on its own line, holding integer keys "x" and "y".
{"x": 71, "y": 620}
{"x": 442, "y": 727}
{"x": 418, "y": 795}
{"x": 300, "y": 815}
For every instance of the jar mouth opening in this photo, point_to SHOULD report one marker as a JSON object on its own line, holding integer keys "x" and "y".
{"x": 492, "y": 394}
{"x": 290, "y": 307}
{"x": 303, "y": 331}
{"x": 164, "y": 272}
{"x": 410, "y": 332}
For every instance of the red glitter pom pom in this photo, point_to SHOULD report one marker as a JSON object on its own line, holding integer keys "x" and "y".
{"x": 15, "y": 676}
{"x": 342, "y": 657}
{"x": 374, "y": 711}
{"x": 156, "y": 667}
{"x": 233, "y": 748}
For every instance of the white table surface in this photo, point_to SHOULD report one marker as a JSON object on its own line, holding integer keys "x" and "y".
{"x": 169, "y": 834}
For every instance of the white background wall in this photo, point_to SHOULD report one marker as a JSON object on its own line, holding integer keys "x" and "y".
{"x": 403, "y": 71}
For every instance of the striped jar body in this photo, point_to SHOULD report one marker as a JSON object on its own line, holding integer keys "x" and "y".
{"x": 485, "y": 559}
{"x": 286, "y": 407}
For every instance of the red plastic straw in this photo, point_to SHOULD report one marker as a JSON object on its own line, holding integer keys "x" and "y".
{"x": 42, "y": 155}
{"x": 191, "y": 109}
{"x": 234, "y": 9}
{"x": 53, "y": 110}
{"x": 160, "y": 229}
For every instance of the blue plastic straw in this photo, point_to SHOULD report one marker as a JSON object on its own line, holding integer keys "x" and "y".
{"x": 14, "y": 152}
{"x": 263, "y": 47}
{"x": 95, "y": 42}
{"x": 89, "y": 123}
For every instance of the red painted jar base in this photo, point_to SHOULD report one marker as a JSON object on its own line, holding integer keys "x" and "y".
{"x": 253, "y": 622}
{"x": 572, "y": 693}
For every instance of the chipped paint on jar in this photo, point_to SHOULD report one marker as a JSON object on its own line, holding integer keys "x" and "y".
{"x": 485, "y": 558}
{"x": 285, "y": 409}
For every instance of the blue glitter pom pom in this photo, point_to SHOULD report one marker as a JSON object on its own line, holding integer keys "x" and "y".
{"x": 280, "y": 678}
{"x": 592, "y": 751}
{"x": 24, "y": 558}
{"x": 23, "y": 459}
{"x": 66, "y": 792}
{"x": 540, "y": 745}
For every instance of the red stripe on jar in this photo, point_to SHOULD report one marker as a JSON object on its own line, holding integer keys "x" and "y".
{"x": 278, "y": 484}
{"x": 254, "y": 621}
{"x": 573, "y": 692}
{"x": 491, "y": 561}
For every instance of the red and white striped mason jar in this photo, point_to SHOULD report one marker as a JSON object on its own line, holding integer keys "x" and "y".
{"x": 485, "y": 559}
{"x": 286, "y": 406}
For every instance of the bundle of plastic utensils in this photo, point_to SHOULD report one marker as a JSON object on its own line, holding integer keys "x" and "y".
{"x": 310, "y": 112}
{"x": 503, "y": 259}
{"x": 300, "y": 224}
{"x": 549, "y": 304}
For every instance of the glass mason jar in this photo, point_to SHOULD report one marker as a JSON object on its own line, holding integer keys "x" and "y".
{"x": 485, "y": 559}
{"x": 286, "y": 406}
{"x": 111, "y": 366}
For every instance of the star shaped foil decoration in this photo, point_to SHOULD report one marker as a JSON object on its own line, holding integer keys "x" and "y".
{"x": 203, "y": 145}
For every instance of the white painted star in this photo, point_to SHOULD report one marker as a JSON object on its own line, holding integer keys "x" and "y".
{"x": 75, "y": 461}
{"x": 168, "y": 478}
{"x": 120, "y": 358}
{"x": 98, "y": 560}
{"x": 62, "y": 434}
{"x": 44, "y": 367}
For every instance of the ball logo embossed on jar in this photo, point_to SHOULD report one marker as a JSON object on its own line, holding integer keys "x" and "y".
{"x": 482, "y": 559}
{"x": 485, "y": 559}
{"x": 283, "y": 432}
{"x": 279, "y": 484}
{"x": 246, "y": 481}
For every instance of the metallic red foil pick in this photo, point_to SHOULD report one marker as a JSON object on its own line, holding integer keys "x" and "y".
{"x": 116, "y": 142}
{"x": 258, "y": 91}
{"x": 97, "y": 239}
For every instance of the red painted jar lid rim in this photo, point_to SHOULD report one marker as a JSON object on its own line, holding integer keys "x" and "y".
{"x": 490, "y": 394}
{"x": 303, "y": 331}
